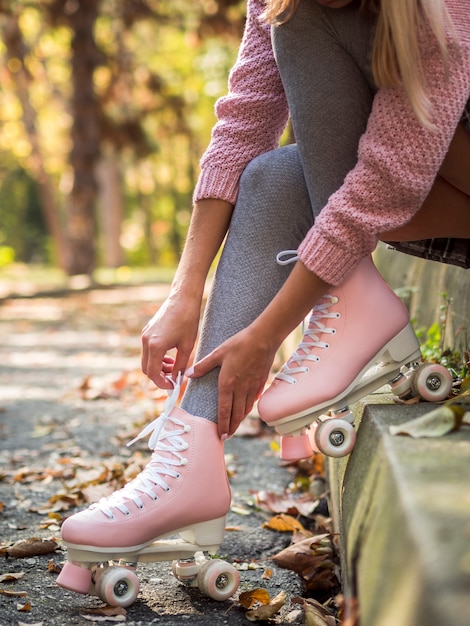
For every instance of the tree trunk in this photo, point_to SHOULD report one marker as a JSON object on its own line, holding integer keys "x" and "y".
{"x": 15, "y": 49}
{"x": 111, "y": 208}
{"x": 81, "y": 230}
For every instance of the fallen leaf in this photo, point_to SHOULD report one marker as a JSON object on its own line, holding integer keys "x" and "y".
{"x": 53, "y": 568}
{"x": 25, "y": 608}
{"x": 31, "y": 547}
{"x": 315, "y": 613}
{"x": 267, "y": 574}
{"x": 11, "y": 576}
{"x": 266, "y": 611}
{"x": 286, "y": 523}
{"x": 313, "y": 559}
{"x": 239, "y": 510}
{"x": 292, "y": 504}
{"x": 436, "y": 423}
{"x": 104, "y": 618}
{"x": 105, "y": 614}
{"x": 13, "y": 594}
{"x": 249, "y": 598}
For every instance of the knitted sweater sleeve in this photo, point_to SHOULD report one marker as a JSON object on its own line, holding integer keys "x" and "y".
{"x": 398, "y": 160}
{"x": 251, "y": 117}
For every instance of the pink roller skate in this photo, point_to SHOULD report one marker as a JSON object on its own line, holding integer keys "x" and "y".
{"x": 182, "y": 491}
{"x": 358, "y": 338}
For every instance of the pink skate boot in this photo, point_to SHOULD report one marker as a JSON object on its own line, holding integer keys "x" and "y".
{"x": 182, "y": 491}
{"x": 359, "y": 337}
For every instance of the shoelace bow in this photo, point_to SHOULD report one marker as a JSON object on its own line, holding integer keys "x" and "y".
{"x": 315, "y": 328}
{"x": 158, "y": 465}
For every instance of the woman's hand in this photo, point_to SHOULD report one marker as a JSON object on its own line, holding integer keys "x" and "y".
{"x": 175, "y": 324}
{"x": 173, "y": 327}
{"x": 245, "y": 361}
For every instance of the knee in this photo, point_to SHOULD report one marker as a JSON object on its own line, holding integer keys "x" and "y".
{"x": 273, "y": 174}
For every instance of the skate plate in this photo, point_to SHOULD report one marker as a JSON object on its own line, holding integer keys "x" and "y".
{"x": 96, "y": 573}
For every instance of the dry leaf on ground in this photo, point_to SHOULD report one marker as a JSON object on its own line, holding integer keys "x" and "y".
{"x": 256, "y": 596}
{"x": 286, "y": 523}
{"x": 266, "y": 611}
{"x": 11, "y": 577}
{"x": 315, "y": 613}
{"x": 312, "y": 559}
{"x": 289, "y": 503}
{"x": 105, "y": 614}
{"x": 31, "y": 547}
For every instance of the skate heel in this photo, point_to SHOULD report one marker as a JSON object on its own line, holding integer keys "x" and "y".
{"x": 295, "y": 446}
{"x": 403, "y": 348}
{"x": 209, "y": 533}
{"x": 75, "y": 577}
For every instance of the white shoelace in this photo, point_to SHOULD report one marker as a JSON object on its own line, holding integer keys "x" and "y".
{"x": 315, "y": 328}
{"x": 310, "y": 340}
{"x": 158, "y": 465}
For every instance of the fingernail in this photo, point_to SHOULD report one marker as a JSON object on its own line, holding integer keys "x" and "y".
{"x": 189, "y": 372}
{"x": 224, "y": 437}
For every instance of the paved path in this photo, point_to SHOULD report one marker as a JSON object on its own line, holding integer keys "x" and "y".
{"x": 71, "y": 393}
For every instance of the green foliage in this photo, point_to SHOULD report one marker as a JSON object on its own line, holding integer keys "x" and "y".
{"x": 7, "y": 256}
{"x": 21, "y": 223}
{"x": 434, "y": 346}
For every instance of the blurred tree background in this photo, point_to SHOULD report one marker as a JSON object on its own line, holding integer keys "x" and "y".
{"x": 105, "y": 109}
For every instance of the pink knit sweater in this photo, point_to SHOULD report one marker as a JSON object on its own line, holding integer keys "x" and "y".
{"x": 398, "y": 158}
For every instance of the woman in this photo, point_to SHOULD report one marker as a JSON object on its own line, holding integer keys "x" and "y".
{"x": 375, "y": 91}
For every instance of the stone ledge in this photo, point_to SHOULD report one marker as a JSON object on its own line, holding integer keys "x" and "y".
{"x": 402, "y": 507}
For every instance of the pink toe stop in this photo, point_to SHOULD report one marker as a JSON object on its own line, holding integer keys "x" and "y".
{"x": 295, "y": 447}
{"x": 75, "y": 577}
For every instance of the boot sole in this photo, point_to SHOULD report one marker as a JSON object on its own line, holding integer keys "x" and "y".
{"x": 204, "y": 536}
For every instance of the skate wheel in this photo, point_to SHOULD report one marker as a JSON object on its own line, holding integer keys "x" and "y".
{"x": 432, "y": 382}
{"x": 295, "y": 447}
{"x": 401, "y": 387}
{"x": 217, "y": 579}
{"x": 335, "y": 437}
{"x": 117, "y": 586}
{"x": 186, "y": 572}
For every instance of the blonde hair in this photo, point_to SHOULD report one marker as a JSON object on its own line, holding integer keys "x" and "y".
{"x": 396, "y": 57}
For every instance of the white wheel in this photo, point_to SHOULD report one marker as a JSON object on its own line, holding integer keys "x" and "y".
{"x": 186, "y": 572}
{"x": 432, "y": 382}
{"x": 217, "y": 579}
{"x": 401, "y": 387}
{"x": 335, "y": 437}
{"x": 117, "y": 586}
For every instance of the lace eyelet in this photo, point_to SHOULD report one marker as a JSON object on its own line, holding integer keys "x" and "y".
{"x": 333, "y": 331}
{"x": 178, "y": 476}
{"x": 327, "y": 345}
{"x": 127, "y": 513}
{"x": 141, "y": 506}
{"x": 168, "y": 489}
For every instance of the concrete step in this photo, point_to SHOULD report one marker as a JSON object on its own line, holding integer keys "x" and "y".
{"x": 402, "y": 508}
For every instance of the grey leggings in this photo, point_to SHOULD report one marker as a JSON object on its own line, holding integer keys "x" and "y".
{"x": 324, "y": 58}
